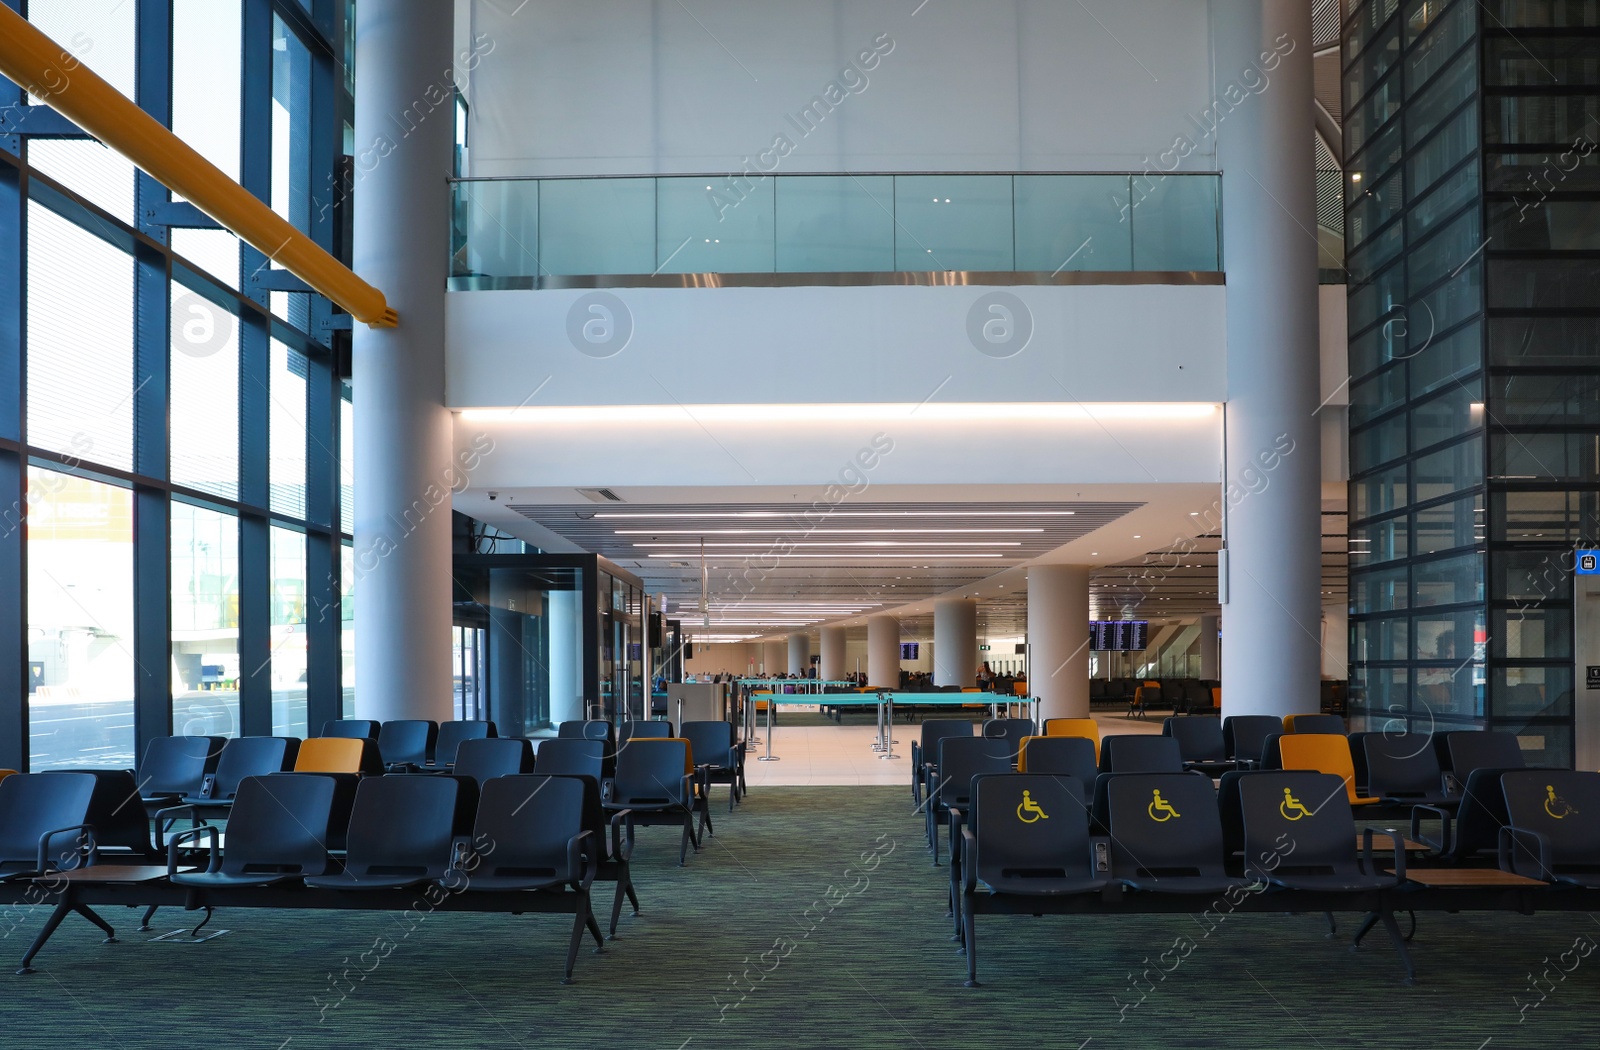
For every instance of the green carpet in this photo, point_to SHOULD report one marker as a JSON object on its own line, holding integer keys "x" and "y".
{"x": 867, "y": 965}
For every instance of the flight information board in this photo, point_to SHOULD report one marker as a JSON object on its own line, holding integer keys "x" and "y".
{"x": 1118, "y": 635}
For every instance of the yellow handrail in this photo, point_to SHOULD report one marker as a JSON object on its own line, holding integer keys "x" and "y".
{"x": 50, "y": 73}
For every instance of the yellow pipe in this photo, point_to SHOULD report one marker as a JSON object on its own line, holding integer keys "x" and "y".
{"x": 50, "y": 73}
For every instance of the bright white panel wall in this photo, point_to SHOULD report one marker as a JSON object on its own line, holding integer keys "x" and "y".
{"x": 824, "y": 345}
{"x": 576, "y": 87}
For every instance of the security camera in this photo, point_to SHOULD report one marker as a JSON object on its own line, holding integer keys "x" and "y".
{"x": 493, "y": 496}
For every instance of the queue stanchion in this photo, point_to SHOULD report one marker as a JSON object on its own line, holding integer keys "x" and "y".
{"x": 888, "y": 735}
{"x": 769, "y": 756}
{"x": 879, "y": 744}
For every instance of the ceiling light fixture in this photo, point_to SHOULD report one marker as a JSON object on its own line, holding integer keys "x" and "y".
{"x": 931, "y": 411}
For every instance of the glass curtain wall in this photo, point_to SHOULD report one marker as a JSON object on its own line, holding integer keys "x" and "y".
{"x": 1470, "y": 245}
{"x": 173, "y": 453}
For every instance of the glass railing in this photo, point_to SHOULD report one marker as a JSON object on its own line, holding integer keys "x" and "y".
{"x": 529, "y": 233}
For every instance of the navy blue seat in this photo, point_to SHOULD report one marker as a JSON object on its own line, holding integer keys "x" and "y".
{"x": 571, "y": 757}
{"x": 43, "y": 822}
{"x": 407, "y": 741}
{"x": 277, "y": 830}
{"x": 1138, "y": 753}
{"x": 175, "y": 766}
{"x": 1200, "y": 742}
{"x": 484, "y": 759}
{"x": 1244, "y": 736}
{"x": 1029, "y": 842}
{"x": 355, "y": 728}
{"x": 960, "y": 759}
{"x": 402, "y": 833}
{"x": 713, "y": 747}
{"x": 1166, "y": 836}
{"x": 1552, "y": 833}
{"x": 451, "y": 735}
{"x": 925, "y": 752}
{"x": 1470, "y": 751}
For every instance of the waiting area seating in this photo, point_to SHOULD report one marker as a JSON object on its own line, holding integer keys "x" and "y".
{"x": 1267, "y": 841}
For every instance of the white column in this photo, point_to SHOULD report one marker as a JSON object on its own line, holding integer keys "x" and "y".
{"x": 566, "y": 656}
{"x": 1209, "y": 649}
{"x": 774, "y": 658}
{"x": 955, "y": 642}
{"x": 883, "y": 652}
{"x": 1058, "y": 639}
{"x": 1273, "y": 461}
{"x": 799, "y": 654}
{"x": 833, "y": 659}
{"x": 403, "y": 463}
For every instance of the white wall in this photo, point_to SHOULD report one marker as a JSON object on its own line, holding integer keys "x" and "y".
{"x": 577, "y": 87}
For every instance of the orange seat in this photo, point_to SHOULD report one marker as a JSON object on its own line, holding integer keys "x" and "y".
{"x": 1324, "y": 753}
{"x": 1019, "y": 688}
{"x": 7, "y": 773}
{"x": 329, "y": 754}
{"x": 1087, "y": 728}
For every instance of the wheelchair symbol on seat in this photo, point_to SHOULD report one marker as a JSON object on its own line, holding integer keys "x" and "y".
{"x": 1162, "y": 806}
{"x": 1291, "y": 808}
{"x": 1029, "y": 811}
{"x": 1554, "y": 802}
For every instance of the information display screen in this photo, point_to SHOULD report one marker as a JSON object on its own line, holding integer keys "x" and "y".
{"x": 1119, "y": 635}
{"x": 908, "y": 650}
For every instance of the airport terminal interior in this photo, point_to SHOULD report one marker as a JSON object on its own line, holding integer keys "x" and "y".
{"x": 872, "y": 524}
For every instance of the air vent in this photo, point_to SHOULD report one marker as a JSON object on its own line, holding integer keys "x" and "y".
{"x": 600, "y": 496}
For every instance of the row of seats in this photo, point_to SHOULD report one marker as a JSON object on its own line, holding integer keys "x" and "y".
{"x": 81, "y": 824}
{"x": 1262, "y": 840}
{"x": 524, "y": 843}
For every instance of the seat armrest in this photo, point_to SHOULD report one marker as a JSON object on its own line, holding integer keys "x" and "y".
{"x": 969, "y": 870}
{"x": 164, "y": 818}
{"x": 1514, "y": 841}
{"x": 1399, "y": 844}
{"x": 621, "y": 847}
{"x": 582, "y": 863}
{"x": 958, "y": 823}
{"x": 1446, "y": 828}
{"x": 86, "y": 845}
{"x": 213, "y": 864}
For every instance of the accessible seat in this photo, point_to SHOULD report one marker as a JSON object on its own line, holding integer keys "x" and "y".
{"x": 1027, "y": 847}
{"x": 1166, "y": 836}
{"x": 1553, "y": 834}
{"x": 1300, "y": 835}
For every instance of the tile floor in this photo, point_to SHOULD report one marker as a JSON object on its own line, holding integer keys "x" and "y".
{"x": 842, "y": 754}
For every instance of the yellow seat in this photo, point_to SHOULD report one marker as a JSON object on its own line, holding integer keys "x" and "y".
{"x": 970, "y": 689}
{"x": 1087, "y": 728}
{"x": 1019, "y": 688}
{"x": 7, "y": 773}
{"x": 329, "y": 754}
{"x": 1323, "y": 753}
